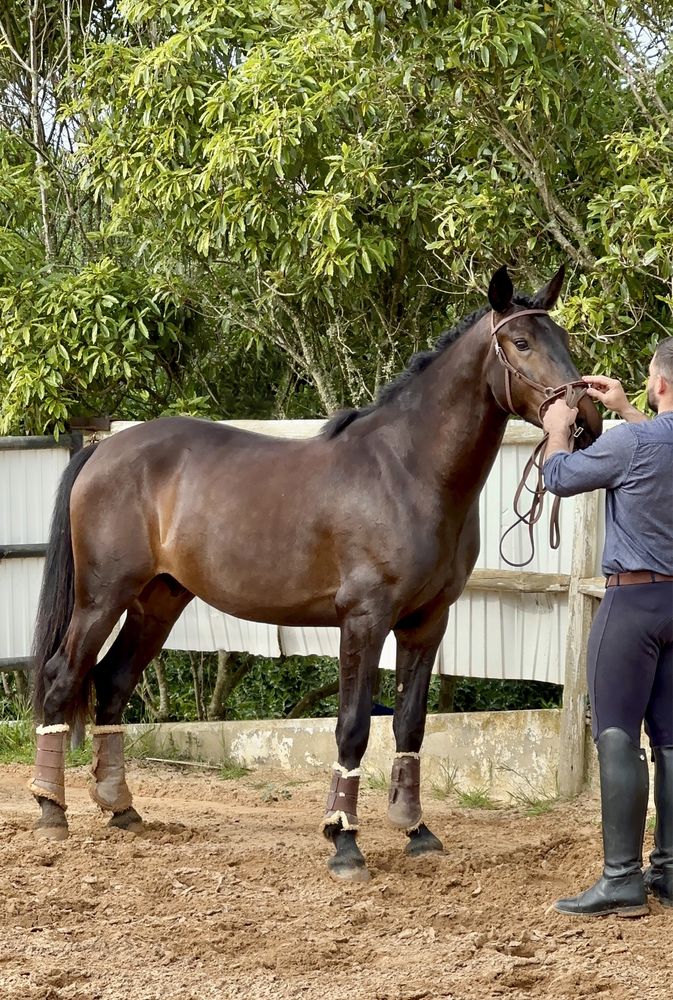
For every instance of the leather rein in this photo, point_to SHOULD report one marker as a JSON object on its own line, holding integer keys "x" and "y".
{"x": 572, "y": 392}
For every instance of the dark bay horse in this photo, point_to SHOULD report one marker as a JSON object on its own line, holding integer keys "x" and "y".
{"x": 372, "y": 527}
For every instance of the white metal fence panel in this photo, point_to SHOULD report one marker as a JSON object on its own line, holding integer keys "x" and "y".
{"x": 201, "y": 627}
{"x": 20, "y": 581}
{"x": 496, "y": 515}
{"x": 28, "y": 483}
{"x": 325, "y": 642}
{"x": 506, "y": 636}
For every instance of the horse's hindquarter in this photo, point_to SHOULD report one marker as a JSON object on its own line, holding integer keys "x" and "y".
{"x": 246, "y": 531}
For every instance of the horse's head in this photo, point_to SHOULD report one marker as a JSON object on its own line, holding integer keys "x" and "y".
{"x": 530, "y": 354}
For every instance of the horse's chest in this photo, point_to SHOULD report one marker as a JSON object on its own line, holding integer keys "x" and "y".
{"x": 443, "y": 552}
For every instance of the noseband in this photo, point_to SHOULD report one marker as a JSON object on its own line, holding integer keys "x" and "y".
{"x": 572, "y": 392}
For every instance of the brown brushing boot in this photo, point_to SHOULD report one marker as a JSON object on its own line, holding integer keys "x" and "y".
{"x": 48, "y": 781}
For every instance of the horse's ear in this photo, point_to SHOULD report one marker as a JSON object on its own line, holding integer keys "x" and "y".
{"x": 500, "y": 290}
{"x": 549, "y": 293}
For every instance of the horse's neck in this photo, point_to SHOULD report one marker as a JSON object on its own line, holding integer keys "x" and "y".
{"x": 462, "y": 425}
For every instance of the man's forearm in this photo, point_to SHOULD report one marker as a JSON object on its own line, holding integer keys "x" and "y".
{"x": 559, "y": 440}
{"x": 632, "y": 415}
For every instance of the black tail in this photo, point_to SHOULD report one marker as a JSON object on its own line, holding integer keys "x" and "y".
{"x": 57, "y": 596}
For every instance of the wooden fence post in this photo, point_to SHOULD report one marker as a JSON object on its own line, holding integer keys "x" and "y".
{"x": 580, "y": 613}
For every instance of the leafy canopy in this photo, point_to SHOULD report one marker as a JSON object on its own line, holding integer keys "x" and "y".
{"x": 265, "y": 208}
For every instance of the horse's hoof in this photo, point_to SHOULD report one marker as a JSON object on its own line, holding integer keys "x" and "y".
{"x": 128, "y": 820}
{"x": 348, "y": 871}
{"x": 136, "y": 828}
{"x": 422, "y": 841}
{"x": 54, "y": 833}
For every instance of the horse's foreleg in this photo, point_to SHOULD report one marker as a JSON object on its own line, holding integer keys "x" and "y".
{"x": 148, "y": 622}
{"x": 362, "y": 637}
{"x": 416, "y": 651}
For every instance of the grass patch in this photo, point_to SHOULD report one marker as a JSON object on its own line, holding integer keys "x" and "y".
{"x": 445, "y": 787}
{"x": 146, "y": 746}
{"x": 377, "y": 781}
{"x": 532, "y": 804}
{"x": 274, "y": 793}
{"x": 17, "y": 742}
{"x": 476, "y": 798}
{"x": 139, "y": 747}
{"x": 230, "y": 770}
{"x": 528, "y": 797}
{"x": 540, "y": 807}
{"x": 80, "y": 757}
{"x": 17, "y": 745}
{"x": 651, "y": 824}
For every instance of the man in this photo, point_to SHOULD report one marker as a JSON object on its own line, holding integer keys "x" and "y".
{"x": 630, "y": 651}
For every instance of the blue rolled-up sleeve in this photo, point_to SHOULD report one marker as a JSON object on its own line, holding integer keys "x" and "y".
{"x": 604, "y": 464}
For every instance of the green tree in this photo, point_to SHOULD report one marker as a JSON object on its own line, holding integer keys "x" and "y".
{"x": 86, "y": 325}
{"x": 294, "y": 197}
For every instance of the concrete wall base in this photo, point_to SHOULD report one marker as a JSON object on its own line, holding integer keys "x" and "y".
{"x": 509, "y": 756}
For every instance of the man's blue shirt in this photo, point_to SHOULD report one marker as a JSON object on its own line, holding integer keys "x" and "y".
{"x": 634, "y": 464}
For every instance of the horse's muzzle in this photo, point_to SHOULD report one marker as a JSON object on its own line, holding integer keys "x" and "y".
{"x": 589, "y": 421}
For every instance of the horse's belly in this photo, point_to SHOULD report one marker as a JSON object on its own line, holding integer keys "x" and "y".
{"x": 283, "y": 589}
{"x": 314, "y": 612}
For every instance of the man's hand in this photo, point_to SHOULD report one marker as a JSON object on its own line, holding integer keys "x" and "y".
{"x": 557, "y": 420}
{"x": 559, "y": 417}
{"x": 608, "y": 391}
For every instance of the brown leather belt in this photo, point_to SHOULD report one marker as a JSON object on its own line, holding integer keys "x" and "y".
{"x": 638, "y": 576}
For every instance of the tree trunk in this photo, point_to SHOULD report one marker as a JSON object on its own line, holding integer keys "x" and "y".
{"x": 216, "y": 705}
{"x": 147, "y": 698}
{"x": 38, "y": 131}
{"x": 22, "y": 686}
{"x": 198, "y": 688}
{"x": 447, "y": 691}
{"x": 230, "y": 672}
{"x": 163, "y": 710}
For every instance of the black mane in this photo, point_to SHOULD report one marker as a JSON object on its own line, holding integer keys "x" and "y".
{"x": 417, "y": 363}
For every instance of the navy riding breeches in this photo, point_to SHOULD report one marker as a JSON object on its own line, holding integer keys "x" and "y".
{"x": 630, "y": 662}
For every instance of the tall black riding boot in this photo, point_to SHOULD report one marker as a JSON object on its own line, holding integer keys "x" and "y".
{"x": 659, "y": 876}
{"x": 624, "y": 793}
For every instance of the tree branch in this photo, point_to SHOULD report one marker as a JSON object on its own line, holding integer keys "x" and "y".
{"x": 312, "y": 699}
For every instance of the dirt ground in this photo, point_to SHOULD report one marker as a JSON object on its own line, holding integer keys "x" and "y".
{"x": 227, "y": 896}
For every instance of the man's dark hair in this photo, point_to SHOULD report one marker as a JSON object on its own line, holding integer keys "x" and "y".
{"x": 663, "y": 359}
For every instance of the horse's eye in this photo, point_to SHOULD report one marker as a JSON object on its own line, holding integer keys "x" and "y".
{"x": 521, "y": 345}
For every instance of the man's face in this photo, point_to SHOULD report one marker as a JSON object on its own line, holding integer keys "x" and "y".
{"x": 652, "y": 388}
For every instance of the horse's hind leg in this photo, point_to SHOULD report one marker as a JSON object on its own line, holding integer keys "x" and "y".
{"x": 65, "y": 691}
{"x": 148, "y": 623}
{"x": 362, "y": 637}
{"x": 416, "y": 650}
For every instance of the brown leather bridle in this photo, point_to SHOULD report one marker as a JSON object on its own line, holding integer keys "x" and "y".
{"x": 573, "y": 393}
